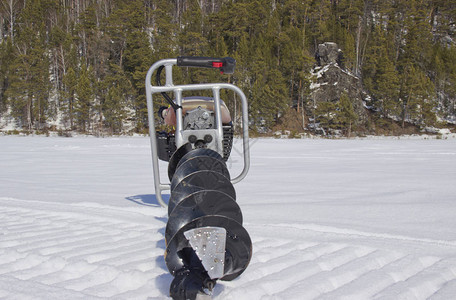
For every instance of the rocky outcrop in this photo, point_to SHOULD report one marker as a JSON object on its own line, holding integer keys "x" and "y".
{"x": 331, "y": 79}
{"x": 329, "y": 53}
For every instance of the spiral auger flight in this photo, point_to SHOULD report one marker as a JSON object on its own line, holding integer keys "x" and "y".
{"x": 204, "y": 236}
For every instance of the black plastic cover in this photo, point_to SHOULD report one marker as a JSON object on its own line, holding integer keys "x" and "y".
{"x": 166, "y": 145}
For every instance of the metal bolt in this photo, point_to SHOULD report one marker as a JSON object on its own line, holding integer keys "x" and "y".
{"x": 208, "y": 138}
{"x": 192, "y": 139}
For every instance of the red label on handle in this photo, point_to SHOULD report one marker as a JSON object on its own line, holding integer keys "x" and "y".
{"x": 217, "y": 64}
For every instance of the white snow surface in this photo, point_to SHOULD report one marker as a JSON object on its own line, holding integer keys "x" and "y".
{"x": 329, "y": 219}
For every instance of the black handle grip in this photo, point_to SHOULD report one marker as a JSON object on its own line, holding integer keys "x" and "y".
{"x": 225, "y": 64}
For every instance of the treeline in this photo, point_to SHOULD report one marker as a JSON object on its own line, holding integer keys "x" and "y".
{"x": 81, "y": 64}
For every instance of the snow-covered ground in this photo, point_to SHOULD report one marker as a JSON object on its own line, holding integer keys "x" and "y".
{"x": 329, "y": 219}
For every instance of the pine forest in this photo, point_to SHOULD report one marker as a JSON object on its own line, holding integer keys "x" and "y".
{"x": 80, "y": 65}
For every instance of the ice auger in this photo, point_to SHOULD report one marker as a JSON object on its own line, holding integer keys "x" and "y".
{"x": 204, "y": 237}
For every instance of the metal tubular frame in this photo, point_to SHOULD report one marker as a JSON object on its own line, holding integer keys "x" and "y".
{"x": 178, "y": 89}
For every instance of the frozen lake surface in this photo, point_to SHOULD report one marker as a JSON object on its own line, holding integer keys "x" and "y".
{"x": 329, "y": 219}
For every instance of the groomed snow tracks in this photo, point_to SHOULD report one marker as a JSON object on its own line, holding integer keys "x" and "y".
{"x": 86, "y": 251}
{"x": 79, "y": 251}
{"x": 303, "y": 262}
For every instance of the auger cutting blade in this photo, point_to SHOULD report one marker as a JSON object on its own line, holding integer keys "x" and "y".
{"x": 238, "y": 248}
{"x": 209, "y": 245}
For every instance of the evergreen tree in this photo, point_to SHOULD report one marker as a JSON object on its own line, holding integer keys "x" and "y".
{"x": 6, "y": 56}
{"x": 164, "y": 30}
{"x": 417, "y": 48}
{"x": 345, "y": 26}
{"x": 325, "y": 115}
{"x": 319, "y": 23}
{"x": 29, "y": 88}
{"x": 416, "y": 96}
{"x": 451, "y": 102}
{"x": 192, "y": 38}
{"x": 118, "y": 99}
{"x": 346, "y": 116}
{"x": 387, "y": 88}
{"x": 68, "y": 94}
{"x": 85, "y": 98}
{"x": 380, "y": 76}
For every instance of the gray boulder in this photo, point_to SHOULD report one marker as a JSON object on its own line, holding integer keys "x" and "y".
{"x": 329, "y": 53}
